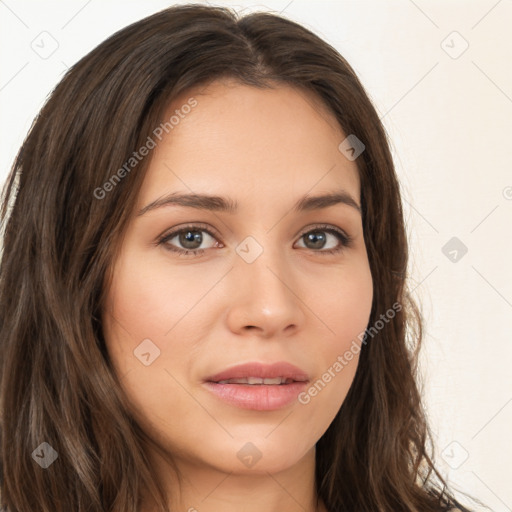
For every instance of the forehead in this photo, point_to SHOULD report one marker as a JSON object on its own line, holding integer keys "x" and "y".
{"x": 243, "y": 140}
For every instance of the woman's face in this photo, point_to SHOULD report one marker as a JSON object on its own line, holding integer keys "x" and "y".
{"x": 271, "y": 281}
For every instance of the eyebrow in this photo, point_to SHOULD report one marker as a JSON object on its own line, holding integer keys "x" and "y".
{"x": 228, "y": 205}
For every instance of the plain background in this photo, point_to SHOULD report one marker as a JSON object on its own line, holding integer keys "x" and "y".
{"x": 440, "y": 77}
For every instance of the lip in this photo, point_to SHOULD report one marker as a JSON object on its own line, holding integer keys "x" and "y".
{"x": 258, "y": 397}
{"x": 264, "y": 371}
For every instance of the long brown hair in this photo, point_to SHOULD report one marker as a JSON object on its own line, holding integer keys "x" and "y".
{"x": 61, "y": 237}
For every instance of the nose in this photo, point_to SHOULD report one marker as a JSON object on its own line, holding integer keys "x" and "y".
{"x": 265, "y": 299}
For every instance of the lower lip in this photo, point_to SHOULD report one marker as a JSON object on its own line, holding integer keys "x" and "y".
{"x": 258, "y": 397}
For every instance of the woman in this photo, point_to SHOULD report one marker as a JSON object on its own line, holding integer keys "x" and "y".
{"x": 203, "y": 285}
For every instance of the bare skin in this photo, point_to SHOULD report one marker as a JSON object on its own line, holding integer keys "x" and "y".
{"x": 264, "y": 149}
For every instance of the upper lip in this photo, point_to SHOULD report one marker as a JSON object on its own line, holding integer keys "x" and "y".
{"x": 261, "y": 370}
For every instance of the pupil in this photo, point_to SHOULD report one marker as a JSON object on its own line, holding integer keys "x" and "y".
{"x": 188, "y": 239}
{"x": 317, "y": 238}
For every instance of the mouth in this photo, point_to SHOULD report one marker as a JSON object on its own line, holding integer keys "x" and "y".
{"x": 255, "y": 373}
{"x": 258, "y": 386}
{"x": 258, "y": 381}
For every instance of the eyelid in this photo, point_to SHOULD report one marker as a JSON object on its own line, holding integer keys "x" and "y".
{"x": 192, "y": 226}
{"x": 324, "y": 227}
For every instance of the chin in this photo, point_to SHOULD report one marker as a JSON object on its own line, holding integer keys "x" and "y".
{"x": 258, "y": 454}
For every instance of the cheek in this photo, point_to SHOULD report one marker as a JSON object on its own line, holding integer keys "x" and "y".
{"x": 344, "y": 307}
{"x": 154, "y": 302}
{"x": 343, "y": 304}
{"x": 150, "y": 299}
{"x": 151, "y": 302}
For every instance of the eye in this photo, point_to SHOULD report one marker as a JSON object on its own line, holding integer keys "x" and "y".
{"x": 317, "y": 239}
{"x": 189, "y": 238}
{"x": 187, "y": 241}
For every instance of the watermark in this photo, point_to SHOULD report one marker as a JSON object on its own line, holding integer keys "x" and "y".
{"x": 249, "y": 454}
{"x": 454, "y": 249}
{"x": 146, "y": 352}
{"x": 343, "y": 360}
{"x": 144, "y": 150}
{"x": 351, "y": 147}
{"x": 45, "y": 45}
{"x": 454, "y": 45}
{"x": 45, "y": 455}
{"x": 455, "y": 455}
{"x": 249, "y": 249}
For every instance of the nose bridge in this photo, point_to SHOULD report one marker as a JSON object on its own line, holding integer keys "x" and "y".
{"x": 264, "y": 261}
{"x": 265, "y": 296}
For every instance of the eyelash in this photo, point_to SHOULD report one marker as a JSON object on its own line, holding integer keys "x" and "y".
{"x": 345, "y": 240}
